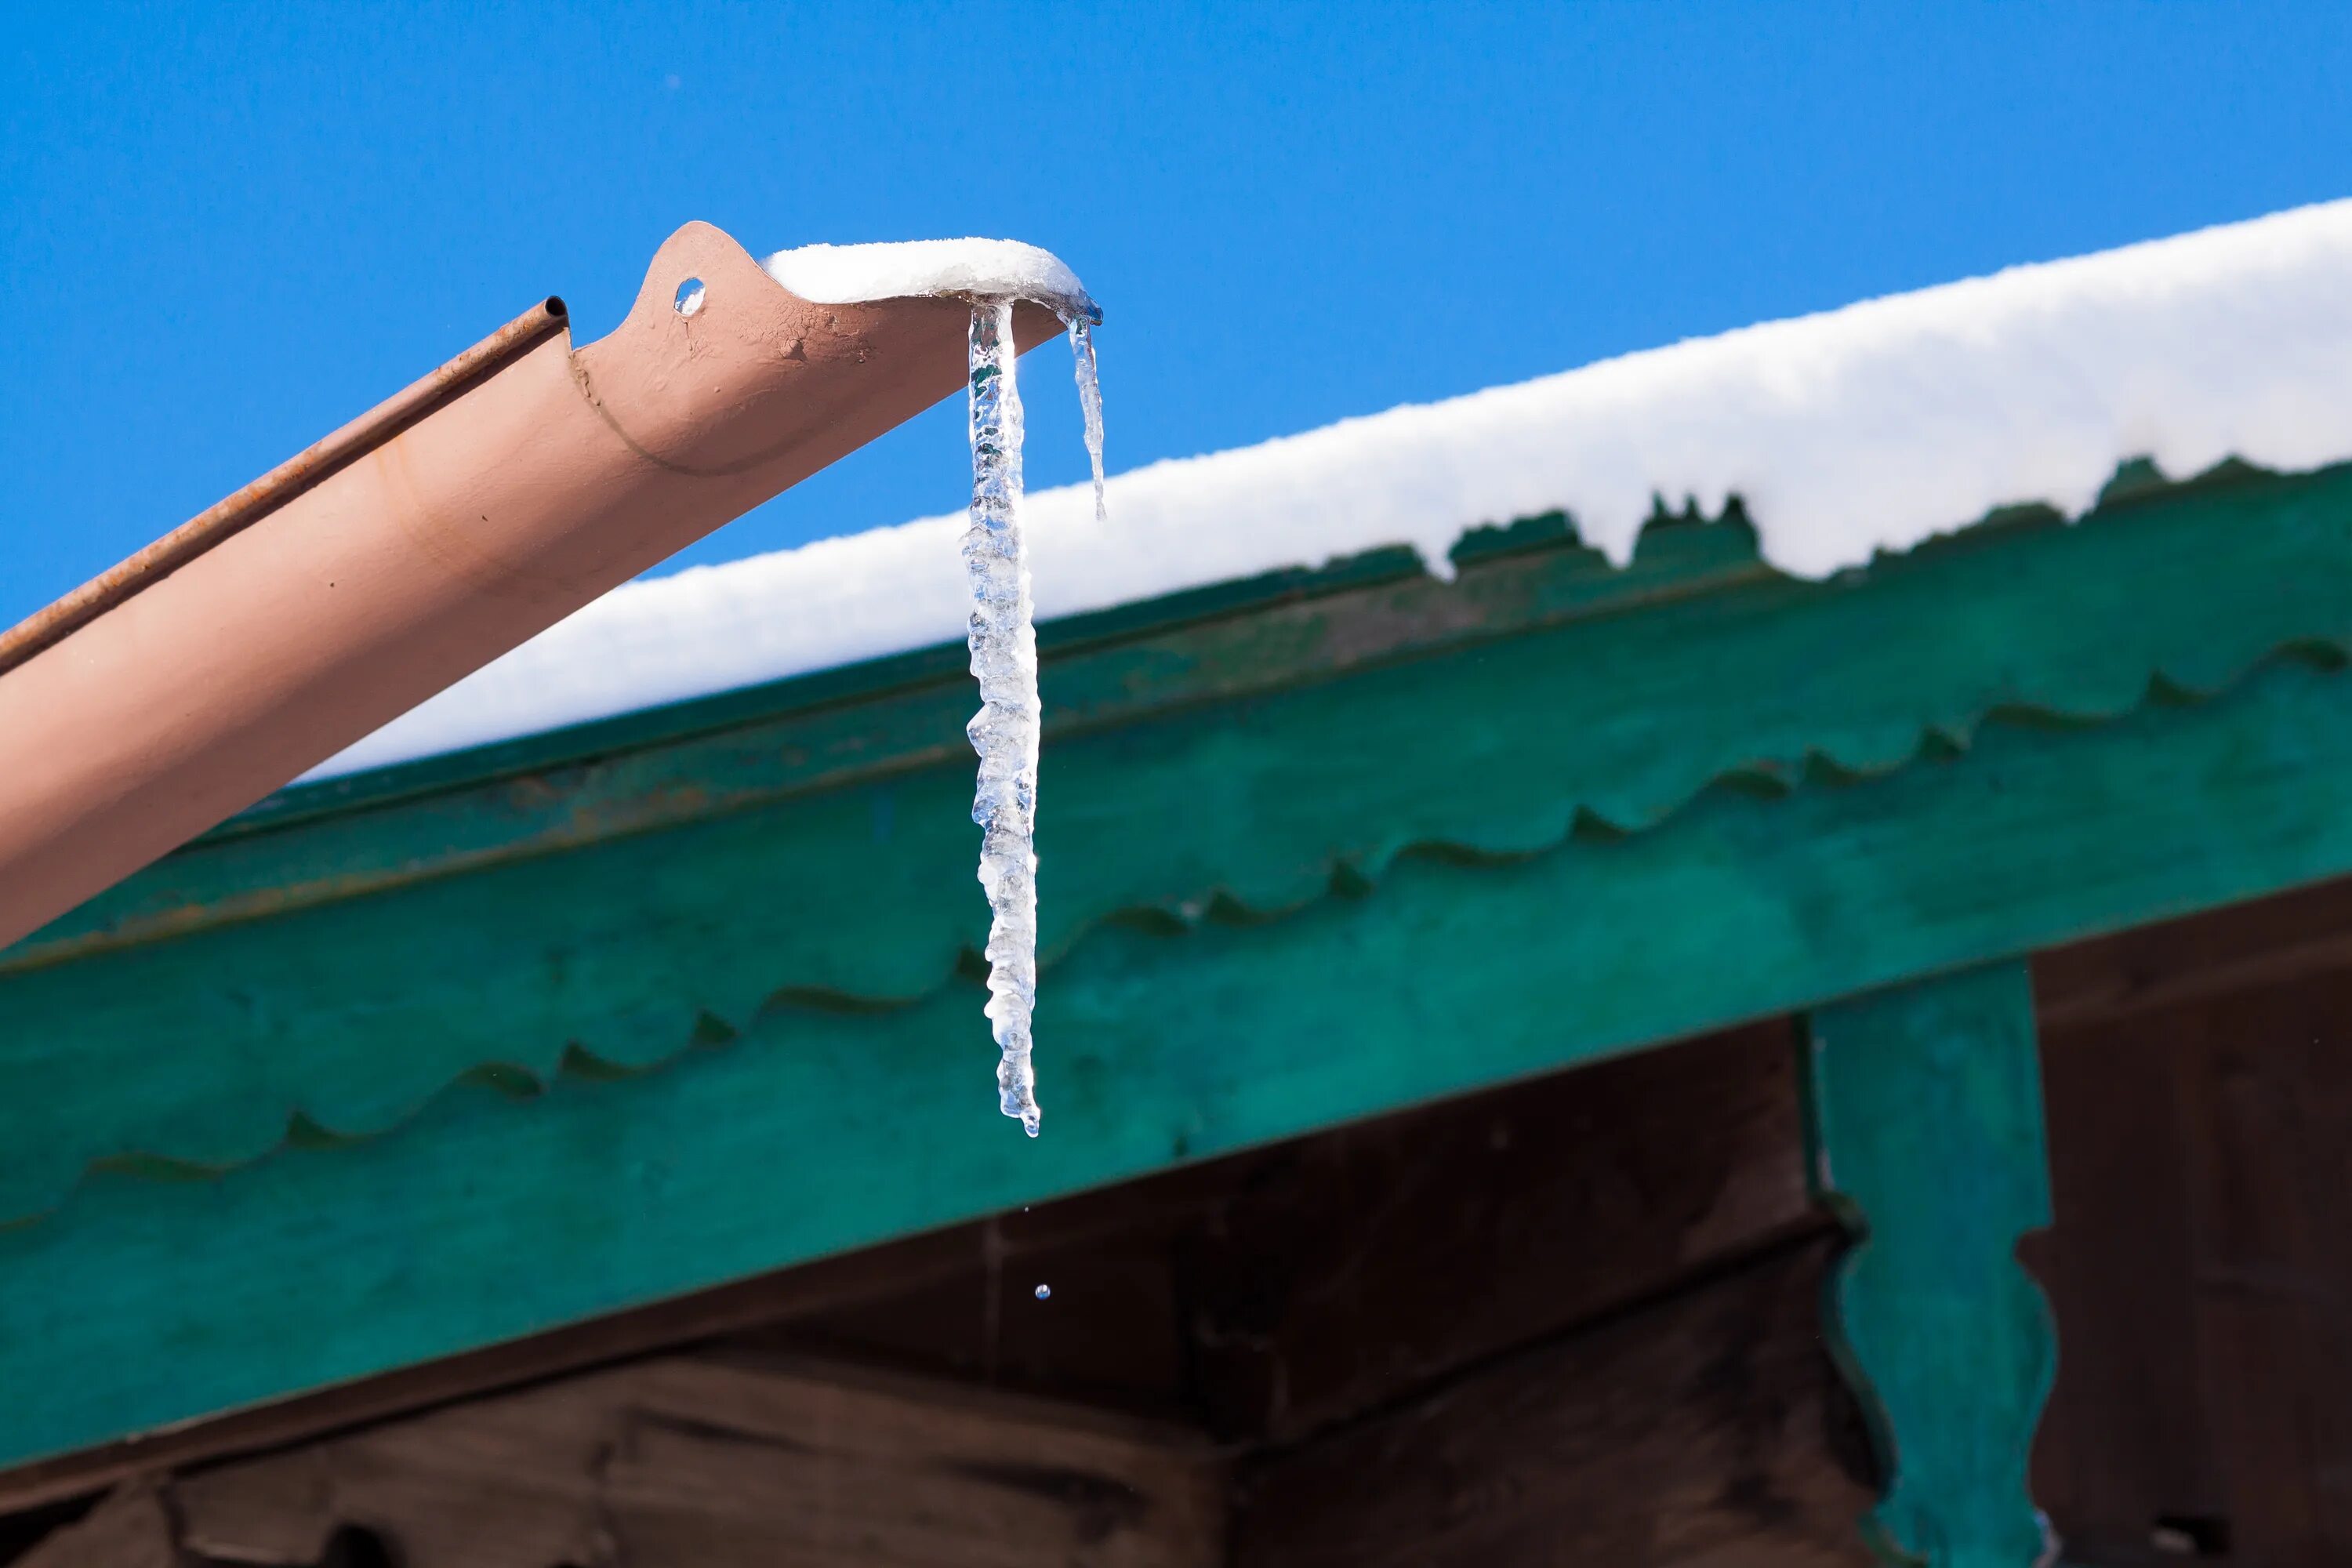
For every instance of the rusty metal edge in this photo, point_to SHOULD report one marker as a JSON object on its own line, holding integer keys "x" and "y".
{"x": 47, "y": 627}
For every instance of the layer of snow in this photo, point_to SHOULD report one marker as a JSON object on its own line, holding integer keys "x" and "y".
{"x": 1860, "y": 430}
{"x": 968, "y": 269}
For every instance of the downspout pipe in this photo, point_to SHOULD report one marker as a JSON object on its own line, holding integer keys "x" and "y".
{"x": 457, "y": 519}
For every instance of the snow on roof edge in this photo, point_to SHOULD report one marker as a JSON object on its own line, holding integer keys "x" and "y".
{"x": 1864, "y": 429}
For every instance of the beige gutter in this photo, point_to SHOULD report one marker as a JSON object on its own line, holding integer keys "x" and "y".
{"x": 464, "y": 516}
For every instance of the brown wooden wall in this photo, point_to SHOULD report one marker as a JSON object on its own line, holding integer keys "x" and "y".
{"x": 2199, "y": 1088}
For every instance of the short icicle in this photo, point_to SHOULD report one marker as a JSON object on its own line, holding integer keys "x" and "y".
{"x": 1082, "y": 352}
{"x": 1005, "y": 730}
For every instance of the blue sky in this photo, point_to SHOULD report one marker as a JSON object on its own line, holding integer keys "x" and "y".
{"x": 227, "y": 231}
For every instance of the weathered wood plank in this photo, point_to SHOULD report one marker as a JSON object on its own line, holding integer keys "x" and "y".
{"x": 129, "y": 1529}
{"x": 2204, "y": 1238}
{"x": 1381, "y": 1258}
{"x": 1702, "y": 1431}
{"x": 2125, "y": 1442}
{"x": 691, "y": 1461}
{"x": 488, "y": 1217}
{"x": 2303, "y": 934}
{"x": 1926, "y": 1103}
{"x": 2265, "y": 1083}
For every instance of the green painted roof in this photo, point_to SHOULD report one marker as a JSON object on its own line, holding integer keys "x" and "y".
{"x": 488, "y": 1042}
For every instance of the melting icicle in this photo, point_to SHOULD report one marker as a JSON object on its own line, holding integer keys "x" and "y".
{"x": 1004, "y": 660}
{"x": 1004, "y": 731}
{"x": 1082, "y": 351}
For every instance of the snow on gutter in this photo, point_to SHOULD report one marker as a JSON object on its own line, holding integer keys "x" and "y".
{"x": 958, "y": 269}
{"x": 1863, "y": 429}
{"x": 481, "y": 506}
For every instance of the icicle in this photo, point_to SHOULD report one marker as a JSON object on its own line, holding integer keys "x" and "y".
{"x": 1004, "y": 660}
{"x": 1082, "y": 351}
{"x": 1004, "y": 731}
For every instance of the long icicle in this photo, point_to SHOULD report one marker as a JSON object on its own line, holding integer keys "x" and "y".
{"x": 1005, "y": 730}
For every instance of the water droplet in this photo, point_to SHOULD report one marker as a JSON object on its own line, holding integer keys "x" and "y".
{"x": 1044, "y": 1291}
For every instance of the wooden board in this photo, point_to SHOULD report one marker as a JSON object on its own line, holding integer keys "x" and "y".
{"x": 2199, "y": 1078}
{"x": 2267, "y": 1082}
{"x": 1706, "y": 1430}
{"x": 130, "y": 1529}
{"x": 698, "y": 1462}
{"x": 2125, "y": 1442}
{"x": 1378, "y": 1260}
{"x": 2305, "y": 932}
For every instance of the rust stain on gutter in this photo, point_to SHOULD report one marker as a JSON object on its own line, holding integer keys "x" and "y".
{"x": 228, "y": 517}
